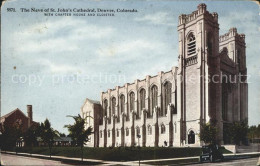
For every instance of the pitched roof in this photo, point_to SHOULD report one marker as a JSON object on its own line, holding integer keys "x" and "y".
{"x": 62, "y": 139}
{"x": 10, "y": 113}
{"x": 91, "y": 101}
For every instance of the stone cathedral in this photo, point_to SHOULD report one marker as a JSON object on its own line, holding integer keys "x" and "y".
{"x": 209, "y": 84}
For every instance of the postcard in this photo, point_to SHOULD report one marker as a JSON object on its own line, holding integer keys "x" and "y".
{"x": 129, "y": 82}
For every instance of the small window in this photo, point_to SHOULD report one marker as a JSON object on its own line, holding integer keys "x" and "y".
{"x": 127, "y": 132}
{"x": 149, "y": 130}
{"x": 100, "y": 134}
{"x": 191, "y": 44}
{"x": 175, "y": 128}
{"x": 117, "y": 133}
{"x": 162, "y": 129}
{"x": 137, "y": 130}
{"x": 108, "y": 133}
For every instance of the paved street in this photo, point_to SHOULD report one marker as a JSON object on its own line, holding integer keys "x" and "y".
{"x": 7, "y": 159}
{"x": 241, "y": 162}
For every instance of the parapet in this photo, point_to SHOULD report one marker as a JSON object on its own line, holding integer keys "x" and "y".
{"x": 232, "y": 33}
{"x": 201, "y": 9}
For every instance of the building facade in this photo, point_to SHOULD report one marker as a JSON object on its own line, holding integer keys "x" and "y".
{"x": 209, "y": 84}
{"x": 91, "y": 110}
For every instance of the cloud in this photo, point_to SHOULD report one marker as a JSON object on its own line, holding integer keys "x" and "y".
{"x": 129, "y": 47}
{"x": 54, "y": 45}
{"x": 58, "y": 68}
{"x": 245, "y": 22}
{"x": 58, "y": 35}
{"x": 159, "y": 18}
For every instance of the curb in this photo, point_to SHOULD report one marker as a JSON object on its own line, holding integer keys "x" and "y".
{"x": 94, "y": 161}
{"x": 57, "y": 158}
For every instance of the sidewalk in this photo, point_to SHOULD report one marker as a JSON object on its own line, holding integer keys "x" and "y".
{"x": 143, "y": 162}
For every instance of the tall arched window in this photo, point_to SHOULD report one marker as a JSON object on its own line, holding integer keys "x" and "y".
{"x": 191, "y": 44}
{"x": 105, "y": 107}
{"x": 191, "y": 137}
{"x": 142, "y": 102}
{"x": 149, "y": 128}
{"x": 163, "y": 129}
{"x": 113, "y": 104}
{"x": 167, "y": 97}
{"x": 122, "y": 103}
{"x": 132, "y": 102}
{"x": 154, "y": 98}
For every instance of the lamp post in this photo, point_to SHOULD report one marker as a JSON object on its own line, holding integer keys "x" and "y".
{"x": 139, "y": 136}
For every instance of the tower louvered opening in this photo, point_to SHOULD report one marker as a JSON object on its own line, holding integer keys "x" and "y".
{"x": 191, "y": 45}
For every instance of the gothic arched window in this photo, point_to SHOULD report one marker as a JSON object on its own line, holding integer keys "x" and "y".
{"x": 149, "y": 128}
{"x": 105, "y": 107}
{"x": 154, "y": 98}
{"x": 132, "y": 103}
{"x": 142, "y": 102}
{"x": 122, "y": 103}
{"x": 162, "y": 129}
{"x": 167, "y": 97}
{"x": 191, "y": 44}
{"x": 191, "y": 137}
{"x": 113, "y": 105}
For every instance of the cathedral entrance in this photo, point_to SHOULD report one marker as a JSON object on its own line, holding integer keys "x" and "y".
{"x": 191, "y": 137}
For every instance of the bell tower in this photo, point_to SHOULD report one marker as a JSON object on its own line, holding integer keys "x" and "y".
{"x": 198, "y": 100}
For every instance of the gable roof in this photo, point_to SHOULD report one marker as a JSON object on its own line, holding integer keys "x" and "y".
{"x": 91, "y": 101}
{"x": 10, "y": 113}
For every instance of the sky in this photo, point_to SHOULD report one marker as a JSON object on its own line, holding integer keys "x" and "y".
{"x": 55, "y": 62}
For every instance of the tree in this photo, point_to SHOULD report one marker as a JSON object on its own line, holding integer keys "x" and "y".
{"x": 48, "y": 134}
{"x": 62, "y": 134}
{"x": 78, "y": 132}
{"x": 253, "y": 132}
{"x": 238, "y": 132}
{"x": 30, "y": 135}
{"x": 208, "y": 133}
{"x": 10, "y": 135}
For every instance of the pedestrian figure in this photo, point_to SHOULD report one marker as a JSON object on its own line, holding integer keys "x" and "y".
{"x": 165, "y": 143}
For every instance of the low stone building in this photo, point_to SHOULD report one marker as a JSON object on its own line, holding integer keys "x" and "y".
{"x": 167, "y": 109}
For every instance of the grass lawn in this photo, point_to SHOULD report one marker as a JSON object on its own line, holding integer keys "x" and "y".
{"x": 118, "y": 154}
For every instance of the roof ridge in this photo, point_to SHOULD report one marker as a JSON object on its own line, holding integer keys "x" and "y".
{"x": 10, "y": 113}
